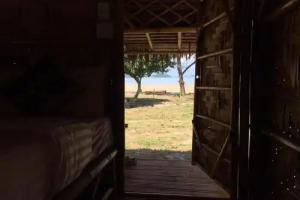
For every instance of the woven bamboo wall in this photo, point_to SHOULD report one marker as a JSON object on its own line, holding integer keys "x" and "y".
{"x": 215, "y": 101}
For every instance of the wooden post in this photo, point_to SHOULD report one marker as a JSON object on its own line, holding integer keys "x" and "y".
{"x": 117, "y": 92}
{"x": 179, "y": 40}
{"x": 241, "y": 132}
{"x": 195, "y": 149}
{"x": 163, "y": 30}
{"x": 149, "y": 40}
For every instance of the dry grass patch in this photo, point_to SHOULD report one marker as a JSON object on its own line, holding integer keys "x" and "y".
{"x": 164, "y": 125}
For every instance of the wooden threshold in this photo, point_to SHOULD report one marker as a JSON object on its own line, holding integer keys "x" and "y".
{"x": 170, "y": 179}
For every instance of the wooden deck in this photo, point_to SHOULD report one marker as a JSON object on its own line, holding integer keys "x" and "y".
{"x": 166, "y": 179}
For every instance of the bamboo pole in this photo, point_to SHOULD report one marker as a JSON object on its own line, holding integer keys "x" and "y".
{"x": 282, "y": 10}
{"x": 163, "y": 30}
{"x": 213, "y": 88}
{"x": 214, "y": 121}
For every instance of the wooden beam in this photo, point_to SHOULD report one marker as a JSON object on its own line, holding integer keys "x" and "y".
{"x": 149, "y": 11}
{"x": 207, "y": 56}
{"x": 145, "y": 52}
{"x": 212, "y": 151}
{"x": 141, "y": 8}
{"x": 183, "y": 18}
{"x": 168, "y": 9}
{"x": 217, "y": 53}
{"x": 179, "y": 40}
{"x": 227, "y": 12}
{"x": 282, "y": 10}
{"x": 149, "y": 40}
{"x": 217, "y": 18}
{"x": 163, "y": 30}
{"x": 213, "y": 88}
{"x": 214, "y": 121}
{"x": 283, "y": 141}
{"x": 220, "y": 156}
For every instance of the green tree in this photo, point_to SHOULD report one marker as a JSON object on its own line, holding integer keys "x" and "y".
{"x": 142, "y": 66}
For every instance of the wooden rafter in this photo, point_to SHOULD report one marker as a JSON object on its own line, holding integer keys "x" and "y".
{"x": 226, "y": 125}
{"x": 163, "y": 30}
{"x": 282, "y": 10}
{"x": 161, "y": 13}
{"x": 159, "y": 52}
{"x": 151, "y": 13}
{"x": 161, "y": 26}
{"x": 168, "y": 9}
{"x": 142, "y": 8}
{"x": 179, "y": 40}
{"x": 217, "y": 18}
{"x": 184, "y": 17}
{"x": 149, "y": 40}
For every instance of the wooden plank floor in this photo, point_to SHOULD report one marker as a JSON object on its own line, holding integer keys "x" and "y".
{"x": 150, "y": 179}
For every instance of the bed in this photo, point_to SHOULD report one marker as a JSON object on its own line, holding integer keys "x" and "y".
{"x": 39, "y": 158}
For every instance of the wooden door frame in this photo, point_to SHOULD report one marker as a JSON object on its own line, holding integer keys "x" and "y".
{"x": 241, "y": 112}
{"x": 116, "y": 102}
{"x": 242, "y": 94}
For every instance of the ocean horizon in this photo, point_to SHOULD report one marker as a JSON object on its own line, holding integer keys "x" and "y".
{"x": 160, "y": 81}
{"x": 167, "y": 81}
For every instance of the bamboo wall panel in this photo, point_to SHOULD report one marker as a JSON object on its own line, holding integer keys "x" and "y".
{"x": 216, "y": 104}
{"x": 213, "y": 96}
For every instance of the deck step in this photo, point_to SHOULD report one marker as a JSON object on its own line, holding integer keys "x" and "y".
{"x": 170, "y": 179}
{"x": 141, "y": 196}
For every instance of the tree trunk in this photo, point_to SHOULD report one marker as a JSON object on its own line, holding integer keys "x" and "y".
{"x": 139, "y": 90}
{"x": 180, "y": 75}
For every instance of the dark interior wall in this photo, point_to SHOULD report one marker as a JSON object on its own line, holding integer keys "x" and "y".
{"x": 63, "y": 59}
{"x": 275, "y": 104}
{"x": 56, "y": 58}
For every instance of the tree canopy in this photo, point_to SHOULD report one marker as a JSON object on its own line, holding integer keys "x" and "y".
{"x": 142, "y": 66}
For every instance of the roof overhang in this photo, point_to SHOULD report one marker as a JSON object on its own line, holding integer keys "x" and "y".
{"x": 161, "y": 26}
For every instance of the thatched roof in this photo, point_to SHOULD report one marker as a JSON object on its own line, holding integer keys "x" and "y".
{"x": 161, "y": 26}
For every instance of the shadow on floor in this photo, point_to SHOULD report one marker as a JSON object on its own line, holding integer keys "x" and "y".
{"x": 159, "y": 154}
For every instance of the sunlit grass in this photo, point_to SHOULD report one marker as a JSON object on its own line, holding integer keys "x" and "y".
{"x": 165, "y": 125}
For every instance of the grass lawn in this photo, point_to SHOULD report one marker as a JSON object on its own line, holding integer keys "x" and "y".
{"x": 159, "y": 124}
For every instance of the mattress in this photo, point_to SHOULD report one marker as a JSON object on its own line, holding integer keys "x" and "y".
{"x": 39, "y": 158}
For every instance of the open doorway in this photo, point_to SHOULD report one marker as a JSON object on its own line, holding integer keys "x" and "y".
{"x": 169, "y": 130}
{"x": 159, "y": 117}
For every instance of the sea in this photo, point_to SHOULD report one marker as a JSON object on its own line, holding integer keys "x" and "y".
{"x": 166, "y": 81}
{"x": 151, "y": 81}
